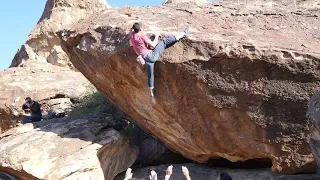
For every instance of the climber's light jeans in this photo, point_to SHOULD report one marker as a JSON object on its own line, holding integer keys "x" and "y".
{"x": 153, "y": 56}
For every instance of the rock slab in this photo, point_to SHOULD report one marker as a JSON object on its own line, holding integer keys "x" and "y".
{"x": 68, "y": 148}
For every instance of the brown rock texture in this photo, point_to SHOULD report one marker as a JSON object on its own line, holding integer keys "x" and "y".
{"x": 52, "y": 86}
{"x": 238, "y": 88}
{"x": 42, "y": 43}
{"x": 6, "y": 120}
{"x": 69, "y": 148}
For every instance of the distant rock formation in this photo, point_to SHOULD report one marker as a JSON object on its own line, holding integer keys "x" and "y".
{"x": 238, "y": 88}
{"x": 69, "y": 148}
{"x": 42, "y": 43}
{"x": 184, "y": 1}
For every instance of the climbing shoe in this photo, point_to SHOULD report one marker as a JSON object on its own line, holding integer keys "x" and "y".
{"x": 186, "y": 32}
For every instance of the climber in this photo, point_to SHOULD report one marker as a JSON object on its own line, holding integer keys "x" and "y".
{"x": 149, "y": 51}
{"x": 35, "y": 110}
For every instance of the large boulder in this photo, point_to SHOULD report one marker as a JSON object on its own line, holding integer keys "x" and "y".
{"x": 54, "y": 87}
{"x": 42, "y": 43}
{"x": 69, "y": 148}
{"x": 238, "y": 88}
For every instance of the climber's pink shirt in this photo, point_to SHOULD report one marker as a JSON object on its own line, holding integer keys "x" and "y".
{"x": 139, "y": 43}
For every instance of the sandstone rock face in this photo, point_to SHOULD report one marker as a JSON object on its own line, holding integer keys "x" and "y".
{"x": 52, "y": 86}
{"x": 6, "y": 121}
{"x": 199, "y": 172}
{"x": 238, "y": 88}
{"x": 69, "y": 148}
{"x": 59, "y": 105}
{"x": 42, "y": 43}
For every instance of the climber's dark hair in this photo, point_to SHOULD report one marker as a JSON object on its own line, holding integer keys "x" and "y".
{"x": 28, "y": 100}
{"x": 137, "y": 27}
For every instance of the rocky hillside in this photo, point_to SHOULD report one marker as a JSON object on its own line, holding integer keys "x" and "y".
{"x": 238, "y": 88}
{"x": 42, "y": 43}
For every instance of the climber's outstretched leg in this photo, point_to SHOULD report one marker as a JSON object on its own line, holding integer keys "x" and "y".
{"x": 153, "y": 56}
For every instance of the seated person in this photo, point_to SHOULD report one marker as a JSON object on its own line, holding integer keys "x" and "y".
{"x": 35, "y": 110}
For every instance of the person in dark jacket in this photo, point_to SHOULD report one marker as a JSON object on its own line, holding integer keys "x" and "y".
{"x": 35, "y": 110}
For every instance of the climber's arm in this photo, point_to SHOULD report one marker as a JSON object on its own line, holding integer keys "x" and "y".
{"x": 152, "y": 44}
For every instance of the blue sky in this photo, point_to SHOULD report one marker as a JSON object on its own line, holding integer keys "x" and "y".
{"x": 18, "y": 17}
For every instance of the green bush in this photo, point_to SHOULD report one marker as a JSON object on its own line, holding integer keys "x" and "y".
{"x": 96, "y": 103}
{"x": 93, "y": 103}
